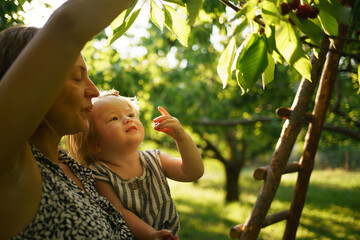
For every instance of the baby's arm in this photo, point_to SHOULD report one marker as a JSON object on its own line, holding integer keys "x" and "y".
{"x": 190, "y": 166}
{"x": 138, "y": 227}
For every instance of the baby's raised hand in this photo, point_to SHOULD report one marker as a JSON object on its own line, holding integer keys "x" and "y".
{"x": 169, "y": 125}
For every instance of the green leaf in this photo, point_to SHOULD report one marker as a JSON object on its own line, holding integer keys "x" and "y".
{"x": 254, "y": 61}
{"x": 225, "y": 62}
{"x": 268, "y": 75}
{"x": 328, "y": 23}
{"x": 241, "y": 82}
{"x": 193, "y": 8}
{"x": 301, "y": 62}
{"x": 177, "y": 25}
{"x": 244, "y": 86}
{"x": 286, "y": 39}
{"x": 334, "y": 8}
{"x": 271, "y": 46}
{"x": 248, "y": 11}
{"x": 119, "y": 20}
{"x": 119, "y": 31}
{"x": 157, "y": 15}
{"x": 244, "y": 46}
{"x": 178, "y": 2}
{"x": 270, "y": 13}
{"x": 310, "y": 29}
{"x": 240, "y": 26}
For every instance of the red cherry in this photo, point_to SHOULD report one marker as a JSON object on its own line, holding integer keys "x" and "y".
{"x": 303, "y": 11}
{"x": 285, "y": 8}
{"x": 294, "y": 4}
{"x": 313, "y": 12}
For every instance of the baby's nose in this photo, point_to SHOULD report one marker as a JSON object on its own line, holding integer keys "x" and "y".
{"x": 127, "y": 120}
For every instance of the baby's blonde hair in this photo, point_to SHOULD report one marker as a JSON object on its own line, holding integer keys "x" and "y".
{"x": 80, "y": 144}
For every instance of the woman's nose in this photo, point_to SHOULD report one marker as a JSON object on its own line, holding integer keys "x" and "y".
{"x": 91, "y": 90}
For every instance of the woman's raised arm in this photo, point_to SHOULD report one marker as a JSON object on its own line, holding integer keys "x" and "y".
{"x": 31, "y": 84}
{"x": 27, "y": 91}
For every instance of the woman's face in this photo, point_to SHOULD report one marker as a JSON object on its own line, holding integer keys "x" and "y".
{"x": 70, "y": 112}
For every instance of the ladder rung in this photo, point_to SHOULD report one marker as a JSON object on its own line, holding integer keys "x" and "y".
{"x": 285, "y": 113}
{"x": 235, "y": 232}
{"x": 260, "y": 173}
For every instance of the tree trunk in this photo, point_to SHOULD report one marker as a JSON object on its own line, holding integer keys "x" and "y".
{"x": 232, "y": 184}
{"x": 234, "y": 166}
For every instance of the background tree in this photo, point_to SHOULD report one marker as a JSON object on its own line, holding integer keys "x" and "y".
{"x": 9, "y": 13}
{"x": 191, "y": 86}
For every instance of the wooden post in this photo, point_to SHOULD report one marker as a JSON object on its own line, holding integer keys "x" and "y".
{"x": 289, "y": 133}
{"x": 313, "y": 136}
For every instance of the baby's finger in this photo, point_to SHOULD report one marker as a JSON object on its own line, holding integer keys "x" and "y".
{"x": 163, "y": 111}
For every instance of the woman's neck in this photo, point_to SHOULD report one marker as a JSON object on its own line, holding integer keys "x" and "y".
{"x": 46, "y": 140}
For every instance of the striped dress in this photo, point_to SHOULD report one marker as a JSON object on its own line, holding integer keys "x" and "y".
{"x": 148, "y": 196}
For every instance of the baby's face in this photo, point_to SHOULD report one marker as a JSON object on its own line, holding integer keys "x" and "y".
{"x": 117, "y": 123}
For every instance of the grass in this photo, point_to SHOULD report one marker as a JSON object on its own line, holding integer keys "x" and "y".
{"x": 332, "y": 208}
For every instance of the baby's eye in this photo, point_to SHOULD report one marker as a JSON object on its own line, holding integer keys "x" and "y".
{"x": 131, "y": 115}
{"x": 114, "y": 119}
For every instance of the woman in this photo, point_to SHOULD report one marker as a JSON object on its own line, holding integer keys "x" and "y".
{"x": 45, "y": 93}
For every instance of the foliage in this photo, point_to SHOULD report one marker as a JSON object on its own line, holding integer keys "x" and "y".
{"x": 165, "y": 15}
{"x": 9, "y": 13}
{"x": 331, "y": 211}
{"x": 275, "y": 36}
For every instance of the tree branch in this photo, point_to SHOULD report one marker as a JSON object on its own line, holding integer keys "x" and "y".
{"x": 351, "y": 55}
{"x": 229, "y": 4}
{"x": 234, "y": 122}
{"x": 215, "y": 150}
{"x": 257, "y": 19}
{"x": 342, "y": 130}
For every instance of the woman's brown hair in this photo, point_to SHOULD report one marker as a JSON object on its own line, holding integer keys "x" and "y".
{"x": 12, "y": 41}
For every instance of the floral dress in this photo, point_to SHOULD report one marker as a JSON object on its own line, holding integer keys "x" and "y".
{"x": 66, "y": 211}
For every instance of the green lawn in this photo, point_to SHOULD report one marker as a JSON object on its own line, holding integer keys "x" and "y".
{"x": 332, "y": 208}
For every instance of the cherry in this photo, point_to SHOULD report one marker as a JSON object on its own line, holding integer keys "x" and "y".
{"x": 313, "y": 12}
{"x": 294, "y": 4}
{"x": 285, "y": 8}
{"x": 303, "y": 11}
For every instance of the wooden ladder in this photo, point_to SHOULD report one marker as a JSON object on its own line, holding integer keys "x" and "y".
{"x": 295, "y": 117}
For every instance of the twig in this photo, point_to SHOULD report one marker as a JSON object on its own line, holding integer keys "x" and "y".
{"x": 351, "y": 55}
{"x": 256, "y": 19}
{"x": 229, "y": 4}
